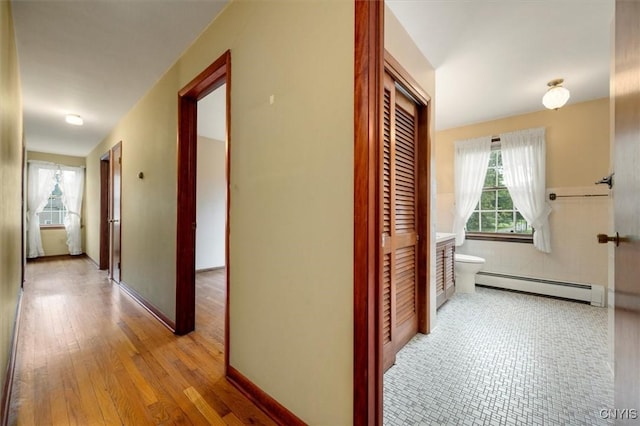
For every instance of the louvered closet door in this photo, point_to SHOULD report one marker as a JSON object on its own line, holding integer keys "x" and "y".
{"x": 399, "y": 220}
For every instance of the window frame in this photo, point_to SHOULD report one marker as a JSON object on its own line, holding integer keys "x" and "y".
{"x": 64, "y": 208}
{"x": 498, "y": 236}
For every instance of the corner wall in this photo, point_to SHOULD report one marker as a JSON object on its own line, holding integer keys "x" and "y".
{"x": 11, "y": 160}
{"x": 291, "y": 217}
{"x": 577, "y": 140}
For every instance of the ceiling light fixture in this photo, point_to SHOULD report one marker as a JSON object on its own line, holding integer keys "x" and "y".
{"x": 556, "y": 95}
{"x": 74, "y": 119}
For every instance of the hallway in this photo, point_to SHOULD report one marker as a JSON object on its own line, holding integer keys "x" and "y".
{"x": 88, "y": 354}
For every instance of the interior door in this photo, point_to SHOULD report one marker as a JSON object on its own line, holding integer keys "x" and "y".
{"x": 399, "y": 220}
{"x": 626, "y": 193}
{"x": 114, "y": 221}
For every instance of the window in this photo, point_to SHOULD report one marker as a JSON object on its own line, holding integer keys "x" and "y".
{"x": 495, "y": 216}
{"x": 54, "y": 212}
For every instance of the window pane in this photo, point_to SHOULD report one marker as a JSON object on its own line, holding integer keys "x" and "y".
{"x": 504, "y": 200}
{"x": 473, "y": 224}
{"x": 488, "y": 222}
{"x": 492, "y": 158}
{"x": 498, "y": 158}
{"x": 500, "y": 176}
{"x": 505, "y": 221}
{"x": 488, "y": 200}
{"x": 45, "y": 217}
{"x": 521, "y": 225}
{"x": 490, "y": 180}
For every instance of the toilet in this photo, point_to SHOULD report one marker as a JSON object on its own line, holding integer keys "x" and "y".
{"x": 466, "y": 267}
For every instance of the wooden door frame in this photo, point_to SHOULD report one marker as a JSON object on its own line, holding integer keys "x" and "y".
{"x": 105, "y": 185}
{"x": 368, "y": 75}
{"x": 110, "y": 201}
{"x": 214, "y": 76}
{"x": 369, "y": 66}
{"x": 423, "y": 104}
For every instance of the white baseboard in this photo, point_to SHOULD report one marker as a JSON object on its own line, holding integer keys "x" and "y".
{"x": 591, "y": 293}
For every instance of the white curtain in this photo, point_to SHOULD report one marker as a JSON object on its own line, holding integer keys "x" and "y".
{"x": 523, "y": 160}
{"x": 471, "y": 162}
{"x": 72, "y": 184}
{"x": 40, "y": 183}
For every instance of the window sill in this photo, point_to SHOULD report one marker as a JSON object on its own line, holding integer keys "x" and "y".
{"x": 51, "y": 226}
{"x": 509, "y": 238}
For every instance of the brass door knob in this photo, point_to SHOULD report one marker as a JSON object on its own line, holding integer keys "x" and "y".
{"x": 604, "y": 238}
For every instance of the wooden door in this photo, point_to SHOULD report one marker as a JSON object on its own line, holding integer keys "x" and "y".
{"x": 626, "y": 193}
{"x": 399, "y": 220}
{"x": 105, "y": 191}
{"x": 115, "y": 204}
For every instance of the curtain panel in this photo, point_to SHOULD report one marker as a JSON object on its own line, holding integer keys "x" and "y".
{"x": 523, "y": 161}
{"x": 40, "y": 183}
{"x": 72, "y": 185}
{"x": 471, "y": 162}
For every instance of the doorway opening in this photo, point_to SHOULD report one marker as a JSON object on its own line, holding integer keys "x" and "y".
{"x": 211, "y": 197}
{"x": 110, "y": 208}
{"x": 404, "y": 204}
{"x": 216, "y": 76}
{"x": 369, "y": 58}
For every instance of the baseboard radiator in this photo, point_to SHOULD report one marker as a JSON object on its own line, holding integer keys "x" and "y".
{"x": 590, "y": 293}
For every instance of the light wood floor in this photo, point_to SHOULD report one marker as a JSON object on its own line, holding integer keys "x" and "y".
{"x": 89, "y": 355}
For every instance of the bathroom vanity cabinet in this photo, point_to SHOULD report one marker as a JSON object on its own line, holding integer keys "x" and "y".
{"x": 445, "y": 276}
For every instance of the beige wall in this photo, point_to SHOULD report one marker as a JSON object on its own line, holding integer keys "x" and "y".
{"x": 11, "y": 153}
{"x": 211, "y": 205}
{"x": 398, "y": 43}
{"x": 577, "y": 140}
{"x": 54, "y": 240}
{"x": 291, "y": 243}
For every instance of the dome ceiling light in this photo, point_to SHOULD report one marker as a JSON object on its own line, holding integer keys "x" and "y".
{"x": 556, "y": 95}
{"x": 74, "y": 119}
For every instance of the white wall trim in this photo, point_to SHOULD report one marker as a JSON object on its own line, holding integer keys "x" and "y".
{"x": 592, "y": 293}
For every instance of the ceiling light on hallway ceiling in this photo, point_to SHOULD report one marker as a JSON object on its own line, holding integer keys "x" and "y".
{"x": 556, "y": 95}
{"x": 74, "y": 119}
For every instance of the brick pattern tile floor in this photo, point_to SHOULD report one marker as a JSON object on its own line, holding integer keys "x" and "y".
{"x": 504, "y": 358}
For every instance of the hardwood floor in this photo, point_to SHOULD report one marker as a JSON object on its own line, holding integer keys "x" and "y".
{"x": 90, "y": 355}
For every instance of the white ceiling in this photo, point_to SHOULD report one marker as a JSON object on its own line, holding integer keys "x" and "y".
{"x": 96, "y": 59}
{"x": 493, "y": 58}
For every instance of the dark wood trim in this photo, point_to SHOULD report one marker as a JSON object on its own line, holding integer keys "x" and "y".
{"x": 103, "y": 262}
{"x": 368, "y": 80}
{"x": 23, "y": 222}
{"x": 148, "y": 306}
{"x": 11, "y": 364}
{"x": 423, "y": 102}
{"x": 270, "y": 406}
{"x": 424, "y": 217}
{"x": 504, "y": 238}
{"x": 227, "y": 229}
{"x": 212, "y": 77}
{"x": 56, "y": 257}
{"x": 402, "y": 76}
{"x": 208, "y": 80}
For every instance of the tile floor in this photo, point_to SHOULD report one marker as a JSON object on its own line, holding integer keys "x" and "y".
{"x": 504, "y": 358}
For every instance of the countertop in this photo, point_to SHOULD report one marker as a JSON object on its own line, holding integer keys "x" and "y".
{"x": 444, "y": 236}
